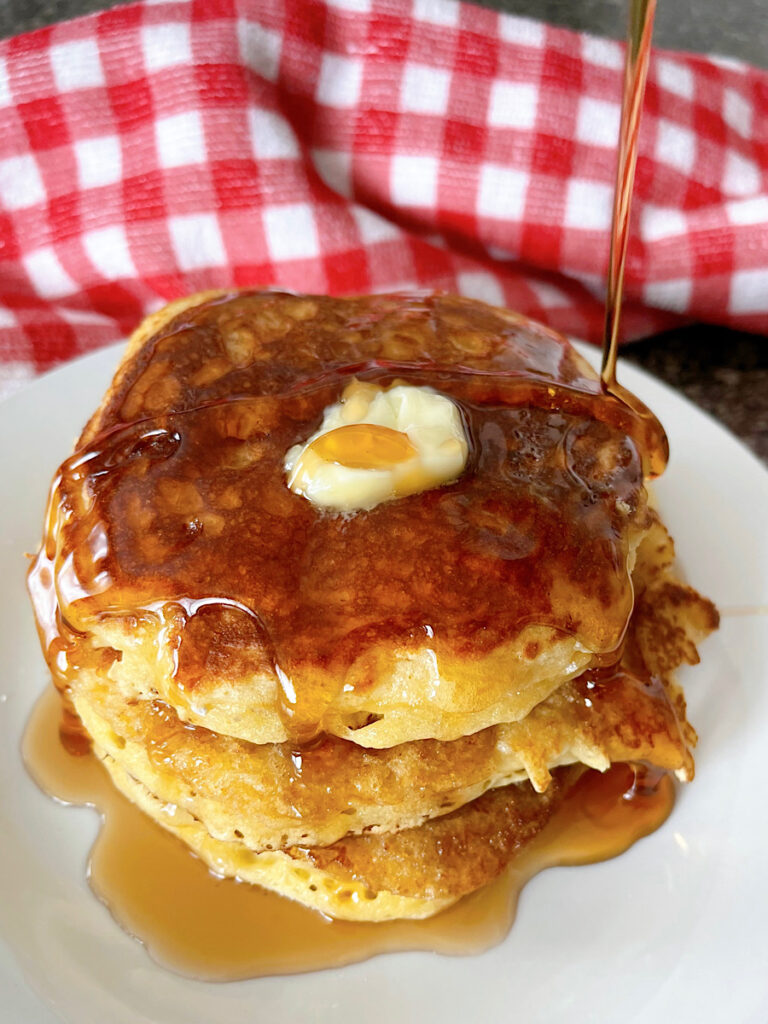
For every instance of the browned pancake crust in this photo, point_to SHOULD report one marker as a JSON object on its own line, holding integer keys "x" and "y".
{"x": 452, "y": 855}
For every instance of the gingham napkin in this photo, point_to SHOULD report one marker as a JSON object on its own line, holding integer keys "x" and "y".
{"x": 362, "y": 145}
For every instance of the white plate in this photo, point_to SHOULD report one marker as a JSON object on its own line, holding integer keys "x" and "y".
{"x": 674, "y": 930}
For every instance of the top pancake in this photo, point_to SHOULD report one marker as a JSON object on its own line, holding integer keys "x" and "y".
{"x": 177, "y": 557}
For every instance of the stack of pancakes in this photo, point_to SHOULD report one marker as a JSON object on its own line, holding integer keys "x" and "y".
{"x": 369, "y": 713}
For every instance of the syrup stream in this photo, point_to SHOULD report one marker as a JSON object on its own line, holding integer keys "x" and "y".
{"x": 641, "y": 13}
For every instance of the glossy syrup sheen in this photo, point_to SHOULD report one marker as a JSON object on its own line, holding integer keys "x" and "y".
{"x": 177, "y": 500}
{"x": 222, "y": 930}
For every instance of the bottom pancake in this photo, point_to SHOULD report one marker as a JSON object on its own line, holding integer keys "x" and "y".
{"x": 411, "y": 874}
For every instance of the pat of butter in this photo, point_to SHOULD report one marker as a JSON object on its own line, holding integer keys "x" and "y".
{"x": 377, "y": 444}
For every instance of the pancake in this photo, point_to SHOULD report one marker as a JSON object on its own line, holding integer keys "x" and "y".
{"x": 371, "y": 711}
{"x": 429, "y": 867}
{"x": 173, "y": 542}
{"x": 273, "y": 796}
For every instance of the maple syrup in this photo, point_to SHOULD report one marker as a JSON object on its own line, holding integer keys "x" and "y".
{"x": 641, "y": 15}
{"x": 220, "y": 930}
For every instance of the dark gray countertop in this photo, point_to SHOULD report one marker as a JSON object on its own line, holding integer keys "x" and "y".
{"x": 724, "y": 372}
{"x": 736, "y": 29}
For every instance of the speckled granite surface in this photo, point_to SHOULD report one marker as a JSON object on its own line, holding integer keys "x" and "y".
{"x": 723, "y": 372}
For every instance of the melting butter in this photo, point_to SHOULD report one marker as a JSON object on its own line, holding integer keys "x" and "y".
{"x": 376, "y": 444}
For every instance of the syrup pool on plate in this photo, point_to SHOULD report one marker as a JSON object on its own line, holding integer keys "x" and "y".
{"x": 221, "y": 930}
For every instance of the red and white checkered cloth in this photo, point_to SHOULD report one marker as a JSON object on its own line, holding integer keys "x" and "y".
{"x": 362, "y": 145}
